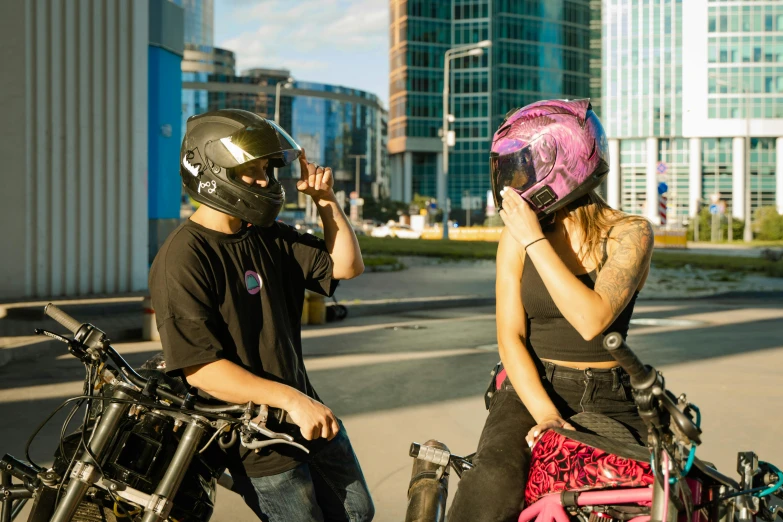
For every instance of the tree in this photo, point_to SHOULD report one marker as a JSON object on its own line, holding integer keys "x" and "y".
{"x": 768, "y": 224}
{"x": 383, "y": 210}
{"x": 705, "y": 227}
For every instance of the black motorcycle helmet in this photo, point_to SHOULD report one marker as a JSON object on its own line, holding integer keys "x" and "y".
{"x": 216, "y": 143}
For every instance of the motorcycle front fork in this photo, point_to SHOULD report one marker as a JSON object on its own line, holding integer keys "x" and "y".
{"x": 86, "y": 471}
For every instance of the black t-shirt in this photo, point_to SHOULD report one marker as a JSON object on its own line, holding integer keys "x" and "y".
{"x": 239, "y": 297}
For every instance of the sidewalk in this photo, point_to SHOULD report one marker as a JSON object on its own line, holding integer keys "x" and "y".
{"x": 425, "y": 284}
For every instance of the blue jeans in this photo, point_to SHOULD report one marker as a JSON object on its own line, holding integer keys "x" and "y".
{"x": 330, "y": 487}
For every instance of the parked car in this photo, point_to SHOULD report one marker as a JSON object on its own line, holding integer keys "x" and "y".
{"x": 396, "y": 230}
{"x": 308, "y": 228}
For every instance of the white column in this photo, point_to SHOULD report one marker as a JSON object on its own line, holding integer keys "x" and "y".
{"x": 613, "y": 179}
{"x": 652, "y": 181}
{"x": 694, "y": 176}
{"x": 407, "y": 178}
{"x": 738, "y": 178}
{"x": 779, "y": 175}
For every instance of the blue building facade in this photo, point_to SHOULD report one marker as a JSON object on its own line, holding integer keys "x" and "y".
{"x": 165, "y": 52}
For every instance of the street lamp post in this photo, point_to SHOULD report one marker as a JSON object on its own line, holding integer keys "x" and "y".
{"x": 278, "y": 86}
{"x": 358, "y": 184}
{"x": 357, "y": 218}
{"x": 455, "y": 52}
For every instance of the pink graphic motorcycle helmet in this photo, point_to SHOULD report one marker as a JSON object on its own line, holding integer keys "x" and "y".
{"x": 551, "y": 152}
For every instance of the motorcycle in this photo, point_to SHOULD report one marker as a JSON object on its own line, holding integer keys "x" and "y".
{"x": 149, "y": 448}
{"x": 601, "y": 473}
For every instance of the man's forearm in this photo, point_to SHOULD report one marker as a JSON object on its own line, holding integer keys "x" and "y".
{"x": 229, "y": 382}
{"x": 340, "y": 240}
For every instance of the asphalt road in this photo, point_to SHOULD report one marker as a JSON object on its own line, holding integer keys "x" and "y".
{"x": 412, "y": 377}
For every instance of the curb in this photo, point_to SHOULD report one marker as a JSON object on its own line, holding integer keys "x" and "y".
{"x": 79, "y": 310}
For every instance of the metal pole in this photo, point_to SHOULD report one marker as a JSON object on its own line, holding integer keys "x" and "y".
{"x": 358, "y": 178}
{"x": 445, "y": 161}
{"x": 465, "y": 196}
{"x": 455, "y": 52}
{"x": 277, "y": 102}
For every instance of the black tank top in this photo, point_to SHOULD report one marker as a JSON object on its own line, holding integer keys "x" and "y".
{"x": 550, "y": 335}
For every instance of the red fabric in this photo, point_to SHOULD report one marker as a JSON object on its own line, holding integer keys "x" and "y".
{"x": 560, "y": 463}
{"x": 501, "y": 376}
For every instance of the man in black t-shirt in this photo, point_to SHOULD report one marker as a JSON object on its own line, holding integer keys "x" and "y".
{"x": 228, "y": 290}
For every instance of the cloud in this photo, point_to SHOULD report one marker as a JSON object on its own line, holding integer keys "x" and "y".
{"x": 303, "y": 34}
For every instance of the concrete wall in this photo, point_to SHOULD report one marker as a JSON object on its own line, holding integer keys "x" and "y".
{"x": 73, "y": 138}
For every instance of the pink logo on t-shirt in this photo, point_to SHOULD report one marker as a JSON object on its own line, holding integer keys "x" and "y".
{"x": 252, "y": 282}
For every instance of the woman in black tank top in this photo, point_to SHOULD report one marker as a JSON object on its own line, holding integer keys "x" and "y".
{"x": 559, "y": 290}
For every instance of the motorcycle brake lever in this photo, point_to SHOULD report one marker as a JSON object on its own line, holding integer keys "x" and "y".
{"x": 258, "y": 444}
{"x": 269, "y": 433}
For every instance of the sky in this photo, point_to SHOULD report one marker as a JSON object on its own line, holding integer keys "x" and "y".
{"x": 340, "y": 42}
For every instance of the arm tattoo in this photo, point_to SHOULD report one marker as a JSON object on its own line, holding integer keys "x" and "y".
{"x": 620, "y": 276}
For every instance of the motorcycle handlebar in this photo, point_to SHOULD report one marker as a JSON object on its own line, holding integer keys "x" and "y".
{"x": 640, "y": 374}
{"x": 71, "y": 324}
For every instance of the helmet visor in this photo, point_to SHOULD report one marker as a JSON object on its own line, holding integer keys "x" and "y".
{"x": 515, "y": 170}
{"x": 251, "y": 143}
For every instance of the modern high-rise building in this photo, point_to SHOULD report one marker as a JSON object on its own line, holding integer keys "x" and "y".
{"x": 199, "y": 22}
{"x": 685, "y": 83}
{"x": 539, "y": 50}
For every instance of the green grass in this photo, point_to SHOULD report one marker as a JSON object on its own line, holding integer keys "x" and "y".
{"x": 428, "y": 248}
{"x": 663, "y": 259}
{"x": 754, "y": 243}
{"x": 382, "y": 263}
{"x": 455, "y": 250}
{"x": 380, "y": 260}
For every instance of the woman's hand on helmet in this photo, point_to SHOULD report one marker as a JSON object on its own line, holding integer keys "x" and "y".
{"x": 519, "y": 218}
{"x": 315, "y": 181}
{"x": 553, "y": 421}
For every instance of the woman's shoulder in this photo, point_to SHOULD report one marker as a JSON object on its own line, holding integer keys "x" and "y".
{"x": 631, "y": 230}
{"x": 624, "y": 223}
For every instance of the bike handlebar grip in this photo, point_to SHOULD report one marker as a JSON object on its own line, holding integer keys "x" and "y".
{"x": 432, "y": 454}
{"x": 615, "y": 345}
{"x": 61, "y": 317}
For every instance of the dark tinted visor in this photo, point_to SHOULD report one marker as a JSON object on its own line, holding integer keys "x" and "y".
{"x": 251, "y": 143}
{"x": 515, "y": 170}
